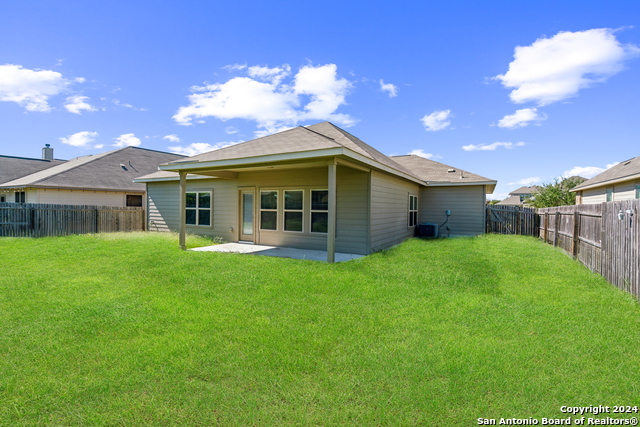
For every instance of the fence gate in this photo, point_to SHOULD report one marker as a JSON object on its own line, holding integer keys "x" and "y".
{"x": 512, "y": 220}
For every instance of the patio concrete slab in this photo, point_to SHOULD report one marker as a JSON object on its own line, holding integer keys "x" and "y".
{"x": 276, "y": 251}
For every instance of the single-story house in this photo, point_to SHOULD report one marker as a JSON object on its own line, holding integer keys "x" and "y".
{"x": 517, "y": 197}
{"x": 12, "y": 168}
{"x": 104, "y": 179}
{"x": 621, "y": 182}
{"x": 314, "y": 187}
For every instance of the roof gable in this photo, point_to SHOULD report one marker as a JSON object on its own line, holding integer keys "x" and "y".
{"x": 12, "y": 168}
{"x": 102, "y": 171}
{"x": 525, "y": 190}
{"x": 628, "y": 168}
{"x": 431, "y": 171}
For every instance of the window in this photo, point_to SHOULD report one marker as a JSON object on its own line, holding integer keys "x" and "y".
{"x": 413, "y": 211}
{"x": 609, "y": 194}
{"x": 20, "y": 197}
{"x": 293, "y": 206}
{"x": 198, "y": 208}
{"x": 319, "y": 211}
{"x": 638, "y": 191}
{"x": 269, "y": 210}
{"x": 134, "y": 200}
{"x": 2, "y": 199}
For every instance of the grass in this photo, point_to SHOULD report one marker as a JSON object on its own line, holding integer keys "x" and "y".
{"x": 128, "y": 330}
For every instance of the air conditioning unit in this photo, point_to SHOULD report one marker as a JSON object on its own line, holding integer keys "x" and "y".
{"x": 427, "y": 229}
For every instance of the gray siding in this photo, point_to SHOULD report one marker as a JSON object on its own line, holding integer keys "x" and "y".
{"x": 390, "y": 210}
{"x": 466, "y": 203}
{"x": 352, "y": 196}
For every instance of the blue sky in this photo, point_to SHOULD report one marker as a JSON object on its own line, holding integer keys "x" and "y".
{"x": 442, "y": 78}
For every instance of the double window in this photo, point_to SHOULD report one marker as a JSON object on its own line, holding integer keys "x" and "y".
{"x": 319, "y": 211}
{"x": 269, "y": 210}
{"x": 20, "y": 197}
{"x": 198, "y": 208}
{"x": 293, "y": 210}
{"x": 413, "y": 211}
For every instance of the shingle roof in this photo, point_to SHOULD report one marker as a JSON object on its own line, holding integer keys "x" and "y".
{"x": 289, "y": 141}
{"x": 430, "y": 171}
{"x": 524, "y": 190}
{"x": 102, "y": 171}
{"x": 628, "y": 168}
{"x": 511, "y": 201}
{"x": 12, "y": 168}
{"x": 315, "y": 137}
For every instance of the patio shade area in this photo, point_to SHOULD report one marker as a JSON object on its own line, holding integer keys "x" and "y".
{"x": 276, "y": 251}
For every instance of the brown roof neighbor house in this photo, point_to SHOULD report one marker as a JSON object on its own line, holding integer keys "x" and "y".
{"x": 620, "y": 182}
{"x": 517, "y": 197}
{"x": 314, "y": 187}
{"x": 104, "y": 179}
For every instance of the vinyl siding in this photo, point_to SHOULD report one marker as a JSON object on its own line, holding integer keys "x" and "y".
{"x": 351, "y": 212}
{"x": 390, "y": 210}
{"x": 83, "y": 197}
{"x": 466, "y": 203}
{"x": 621, "y": 191}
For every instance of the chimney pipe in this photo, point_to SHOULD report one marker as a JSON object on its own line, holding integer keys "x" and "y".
{"x": 47, "y": 153}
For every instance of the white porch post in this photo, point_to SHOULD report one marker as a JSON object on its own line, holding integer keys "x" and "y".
{"x": 331, "y": 222}
{"x": 183, "y": 205}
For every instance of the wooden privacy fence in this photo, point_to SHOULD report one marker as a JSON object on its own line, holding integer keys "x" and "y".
{"x": 512, "y": 220}
{"x": 40, "y": 220}
{"x": 599, "y": 239}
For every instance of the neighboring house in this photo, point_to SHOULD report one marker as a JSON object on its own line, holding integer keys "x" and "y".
{"x": 517, "y": 197}
{"x": 103, "y": 179}
{"x": 621, "y": 182}
{"x": 12, "y": 168}
{"x": 315, "y": 187}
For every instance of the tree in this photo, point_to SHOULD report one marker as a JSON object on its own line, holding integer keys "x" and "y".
{"x": 555, "y": 193}
{"x": 494, "y": 202}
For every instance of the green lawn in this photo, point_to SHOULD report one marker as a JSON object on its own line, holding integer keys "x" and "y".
{"x": 128, "y": 330}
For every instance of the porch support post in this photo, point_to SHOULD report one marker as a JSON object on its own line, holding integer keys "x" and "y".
{"x": 331, "y": 223}
{"x": 183, "y": 206}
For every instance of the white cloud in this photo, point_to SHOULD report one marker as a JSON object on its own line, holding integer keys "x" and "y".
{"x": 272, "y": 104}
{"x": 230, "y": 130}
{"x": 587, "y": 171}
{"x": 391, "y": 89}
{"x": 272, "y": 75}
{"x": 527, "y": 181}
{"x": 492, "y": 147}
{"x": 80, "y": 79}
{"x": 80, "y": 139}
{"x": 76, "y": 103}
{"x": 420, "y": 152}
{"x": 173, "y": 138}
{"x": 497, "y": 196}
{"x": 556, "y": 68}
{"x": 437, "y": 120}
{"x": 98, "y": 146}
{"x": 127, "y": 140}
{"x": 30, "y": 88}
{"x": 200, "y": 147}
{"x": 234, "y": 67}
{"x": 124, "y": 104}
{"x": 521, "y": 118}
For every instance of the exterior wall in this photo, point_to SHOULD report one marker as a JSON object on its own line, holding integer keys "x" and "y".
{"x": 73, "y": 197}
{"x": 621, "y": 191}
{"x": 390, "y": 210}
{"x": 352, "y": 200}
{"x": 466, "y": 203}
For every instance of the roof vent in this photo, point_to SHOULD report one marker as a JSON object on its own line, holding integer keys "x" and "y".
{"x": 47, "y": 152}
{"x": 451, "y": 170}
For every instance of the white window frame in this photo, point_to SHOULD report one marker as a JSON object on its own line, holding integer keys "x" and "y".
{"x": 411, "y": 211}
{"x": 285, "y": 210}
{"x": 311, "y": 210}
{"x": 637, "y": 191}
{"x": 608, "y": 190}
{"x": 269, "y": 210}
{"x": 198, "y": 208}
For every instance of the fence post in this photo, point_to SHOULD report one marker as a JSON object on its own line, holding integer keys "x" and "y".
{"x": 546, "y": 227}
{"x": 576, "y": 233}
{"x": 557, "y": 226}
{"x": 518, "y": 229}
